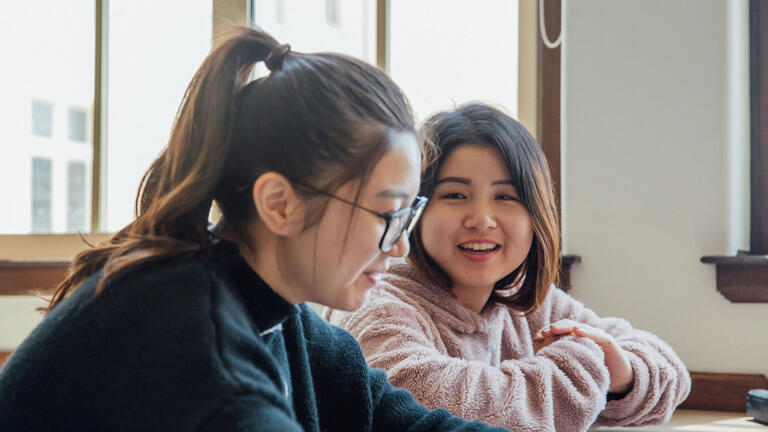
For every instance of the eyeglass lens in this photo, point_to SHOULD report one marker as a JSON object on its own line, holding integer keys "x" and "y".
{"x": 395, "y": 230}
{"x": 400, "y": 223}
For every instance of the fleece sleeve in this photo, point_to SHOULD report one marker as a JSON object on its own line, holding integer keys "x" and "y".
{"x": 561, "y": 388}
{"x": 661, "y": 379}
{"x": 396, "y": 410}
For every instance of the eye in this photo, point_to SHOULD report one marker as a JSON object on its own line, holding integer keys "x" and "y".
{"x": 453, "y": 196}
{"x": 507, "y": 197}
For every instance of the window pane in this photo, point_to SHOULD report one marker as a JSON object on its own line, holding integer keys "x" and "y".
{"x": 76, "y": 193}
{"x": 41, "y": 195}
{"x": 467, "y": 52}
{"x": 48, "y": 65}
{"x": 346, "y": 26}
{"x": 78, "y": 126}
{"x": 42, "y": 119}
{"x": 154, "y": 50}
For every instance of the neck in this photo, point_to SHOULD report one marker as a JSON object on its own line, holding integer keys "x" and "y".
{"x": 253, "y": 239}
{"x": 473, "y": 298}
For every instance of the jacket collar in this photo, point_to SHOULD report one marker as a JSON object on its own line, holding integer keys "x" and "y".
{"x": 443, "y": 306}
{"x": 267, "y": 309}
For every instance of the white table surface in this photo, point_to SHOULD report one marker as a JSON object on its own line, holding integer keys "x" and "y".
{"x": 698, "y": 421}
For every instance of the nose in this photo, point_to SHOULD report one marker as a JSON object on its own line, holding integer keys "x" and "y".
{"x": 401, "y": 248}
{"x": 480, "y": 218}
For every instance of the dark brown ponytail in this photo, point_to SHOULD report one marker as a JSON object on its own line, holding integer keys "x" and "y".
{"x": 305, "y": 120}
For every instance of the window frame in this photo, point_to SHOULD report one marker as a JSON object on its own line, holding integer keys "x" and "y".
{"x": 225, "y": 13}
{"x": 36, "y": 246}
{"x": 743, "y": 278}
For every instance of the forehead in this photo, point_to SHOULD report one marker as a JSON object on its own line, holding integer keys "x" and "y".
{"x": 399, "y": 167}
{"x": 474, "y": 162}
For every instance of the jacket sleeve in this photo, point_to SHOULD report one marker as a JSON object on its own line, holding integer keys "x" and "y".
{"x": 351, "y": 386}
{"x": 396, "y": 410}
{"x": 255, "y": 411}
{"x": 561, "y": 388}
{"x": 661, "y": 380}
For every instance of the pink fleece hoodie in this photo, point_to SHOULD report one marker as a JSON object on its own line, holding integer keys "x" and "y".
{"x": 482, "y": 366}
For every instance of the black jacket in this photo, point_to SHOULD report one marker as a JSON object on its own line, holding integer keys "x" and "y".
{"x": 195, "y": 345}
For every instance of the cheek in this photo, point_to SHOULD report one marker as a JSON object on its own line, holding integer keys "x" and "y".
{"x": 359, "y": 242}
{"x": 436, "y": 229}
{"x": 519, "y": 225}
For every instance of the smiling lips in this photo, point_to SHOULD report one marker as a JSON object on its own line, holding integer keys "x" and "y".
{"x": 479, "y": 250}
{"x": 374, "y": 275}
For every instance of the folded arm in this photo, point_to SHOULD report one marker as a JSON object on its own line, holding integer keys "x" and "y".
{"x": 561, "y": 388}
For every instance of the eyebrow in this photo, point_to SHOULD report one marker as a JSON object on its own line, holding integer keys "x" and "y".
{"x": 466, "y": 181}
{"x": 503, "y": 182}
{"x": 461, "y": 180}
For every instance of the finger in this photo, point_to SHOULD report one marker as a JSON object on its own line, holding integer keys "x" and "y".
{"x": 599, "y": 337}
{"x": 564, "y": 324}
{"x": 562, "y": 329}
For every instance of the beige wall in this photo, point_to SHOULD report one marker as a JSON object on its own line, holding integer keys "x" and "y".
{"x": 655, "y": 139}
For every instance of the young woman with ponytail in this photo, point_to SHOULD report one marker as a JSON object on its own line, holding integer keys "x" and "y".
{"x": 177, "y": 325}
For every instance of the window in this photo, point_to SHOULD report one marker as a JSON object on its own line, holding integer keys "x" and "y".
{"x": 142, "y": 76}
{"x": 311, "y": 25}
{"x": 76, "y": 193}
{"x": 42, "y": 119}
{"x": 141, "y": 85}
{"x": 148, "y": 74}
{"x": 39, "y": 133}
{"x": 77, "y": 125}
{"x": 332, "y": 12}
{"x": 280, "y": 11}
{"x": 41, "y": 195}
{"x": 468, "y": 53}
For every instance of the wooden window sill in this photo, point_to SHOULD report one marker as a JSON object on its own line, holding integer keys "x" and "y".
{"x": 42, "y": 276}
{"x": 742, "y": 278}
{"x": 31, "y": 277}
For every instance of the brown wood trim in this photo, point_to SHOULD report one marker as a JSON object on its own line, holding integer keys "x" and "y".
{"x": 382, "y": 33}
{"x": 742, "y": 278}
{"x": 3, "y": 357}
{"x": 31, "y": 277}
{"x": 758, "y": 102}
{"x": 566, "y": 261}
{"x": 722, "y": 391}
{"x": 548, "y": 97}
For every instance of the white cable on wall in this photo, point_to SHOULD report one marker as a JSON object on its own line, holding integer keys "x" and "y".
{"x": 543, "y": 30}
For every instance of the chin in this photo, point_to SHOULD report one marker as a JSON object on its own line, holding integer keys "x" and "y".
{"x": 348, "y": 305}
{"x": 354, "y": 300}
{"x": 479, "y": 283}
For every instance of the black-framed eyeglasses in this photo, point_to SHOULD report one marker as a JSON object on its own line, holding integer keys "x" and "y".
{"x": 398, "y": 221}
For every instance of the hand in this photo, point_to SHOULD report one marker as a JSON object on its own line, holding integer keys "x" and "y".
{"x": 616, "y": 360}
{"x": 545, "y": 342}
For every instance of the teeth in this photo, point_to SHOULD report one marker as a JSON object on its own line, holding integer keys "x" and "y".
{"x": 478, "y": 246}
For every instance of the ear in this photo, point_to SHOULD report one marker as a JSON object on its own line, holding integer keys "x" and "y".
{"x": 278, "y": 206}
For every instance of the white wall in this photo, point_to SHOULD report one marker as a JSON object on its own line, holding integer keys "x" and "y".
{"x": 655, "y": 139}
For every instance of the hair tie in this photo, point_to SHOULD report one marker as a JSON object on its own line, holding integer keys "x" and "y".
{"x": 274, "y": 60}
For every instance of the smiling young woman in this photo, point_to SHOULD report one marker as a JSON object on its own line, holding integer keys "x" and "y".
{"x": 473, "y": 320}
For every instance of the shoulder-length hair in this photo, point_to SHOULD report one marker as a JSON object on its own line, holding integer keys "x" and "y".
{"x": 525, "y": 287}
